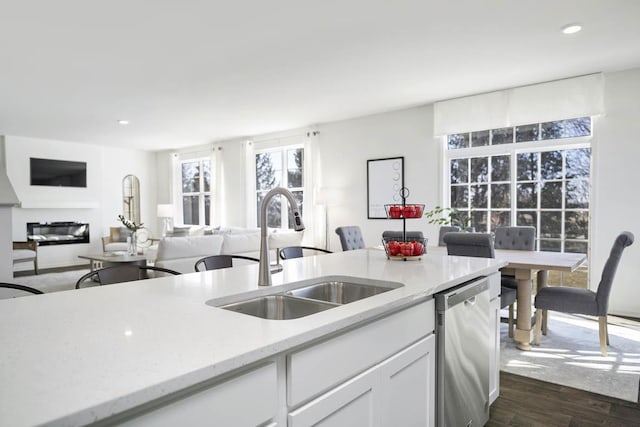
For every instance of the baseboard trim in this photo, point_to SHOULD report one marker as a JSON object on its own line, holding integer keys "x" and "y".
{"x": 50, "y": 270}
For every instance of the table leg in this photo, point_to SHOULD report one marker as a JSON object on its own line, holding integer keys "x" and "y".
{"x": 524, "y": 330}
{"x": 542, "y": 283}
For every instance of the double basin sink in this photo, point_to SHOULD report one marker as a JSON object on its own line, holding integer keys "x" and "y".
{"x": 309, "y": 298}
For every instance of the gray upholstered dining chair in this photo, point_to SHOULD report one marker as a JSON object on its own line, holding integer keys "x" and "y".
{"x": 518, "y": 238}
{"x": 583, "y": 301}
{"x": 480, "y": 245}
{"x": 215, "y": 262}
{"x": 350, "y": 237}
{"x": 444, "y": 230}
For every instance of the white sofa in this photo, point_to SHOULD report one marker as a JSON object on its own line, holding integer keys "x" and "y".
{"x": 181, "y": 253}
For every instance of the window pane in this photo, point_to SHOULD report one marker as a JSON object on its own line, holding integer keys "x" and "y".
{"x": 191, "y": 210}
{"x": 578, "y": 163}
{"x": 502, "y": 136}
{"x": 206, "y": 169}
{"x": 479, "y": 221}
{"x": 550, "y": 245}
{"x": 500, "y": 218}
{"x": 527, "y": 166}
{"x": 267, "y": 173}
{"x": 566, "y": 128}
{"x": 527, "y": 196}
{"x": 207, "y": 210}
{"x": 575, "y": 247}
{"x": 577, "y": 194}
{"x": 479, "y": 169}
{"x": 295, "y": 164}
{"x": 551, "y": 165}
{"x": 500, "y": 168}
{"x": 527, "y": 133}
{"x": 190, "y": 177}
{"x": 550, "y": 224}
{"x": 551, "y": 195}
{"x": 576, "y": 225}
{"x": 460, "y": 140}
{"x": 459, "y": 171}
{"x": 501, "y": 196}
{"x": 480, "y": 139}
{"x": 527, "y": 218}
{"x": 479, "y": 196}
{"x": 274, "y": 217}
{"x": 460, "y": 196}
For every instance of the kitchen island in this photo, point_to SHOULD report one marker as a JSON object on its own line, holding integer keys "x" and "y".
{"x": 109, "y": 354}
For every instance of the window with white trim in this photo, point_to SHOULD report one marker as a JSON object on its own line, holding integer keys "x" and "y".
{"x": 536, "y": 174}
{"x": 196, "y": 191}
{"x": 280, "y": 167}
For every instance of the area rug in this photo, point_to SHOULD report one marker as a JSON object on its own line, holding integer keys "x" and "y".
{"x": 52, "y": 282}
{"x": 569, "y": 355}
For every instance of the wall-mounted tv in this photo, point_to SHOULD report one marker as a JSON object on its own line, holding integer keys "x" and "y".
{"x": 58, "y": 173}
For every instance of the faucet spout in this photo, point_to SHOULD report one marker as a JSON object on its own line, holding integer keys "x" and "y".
{"x": 264, "y": 274}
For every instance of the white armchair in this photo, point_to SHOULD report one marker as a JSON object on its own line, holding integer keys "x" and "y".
{"x": 26, "y": 252}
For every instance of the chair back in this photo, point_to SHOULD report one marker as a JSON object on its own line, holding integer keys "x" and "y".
{"x": 122, "y": 273}
{"x": 350, "y": 237}
{"x": 444, "y": 230}
{"x": 469, "y": 244}
{"x": 623, "y": 240}
{"x": 397, "y": 235}
{"x": 14, "y": 290}
{"x": 520, "y": 238}
{"x": 215, "y": 262}
{"x": 298, "y": 251}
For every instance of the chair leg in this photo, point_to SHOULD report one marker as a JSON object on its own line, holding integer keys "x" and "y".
{"x": 604, "y": 338}
{"x": 545, "y": 316}
{"x": 538, "y": 326}
{"x": 35, "y": 265}
{"x": 511, "y": 320}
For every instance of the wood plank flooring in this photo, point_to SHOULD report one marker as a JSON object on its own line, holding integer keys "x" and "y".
{"x": 526, "y": 402}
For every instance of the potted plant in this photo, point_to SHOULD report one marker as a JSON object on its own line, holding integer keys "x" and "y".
{"x": 449, "y": 216}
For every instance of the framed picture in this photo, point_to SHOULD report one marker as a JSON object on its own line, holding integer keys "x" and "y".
{"x": 385, "y": 179}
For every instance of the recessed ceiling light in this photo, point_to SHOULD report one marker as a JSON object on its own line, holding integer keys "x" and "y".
{"x": 123, "y": 122}
{"x": 571, "y": 28}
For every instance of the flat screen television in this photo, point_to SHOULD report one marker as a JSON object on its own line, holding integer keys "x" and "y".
{"x": 58, "y": 173}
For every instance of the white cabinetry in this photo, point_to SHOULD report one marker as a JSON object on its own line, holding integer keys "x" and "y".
{"x": 223, "y": 404}
{"x": 494, "y": 336}
{"x": 397, "y": 386}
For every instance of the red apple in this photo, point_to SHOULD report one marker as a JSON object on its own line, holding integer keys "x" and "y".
{"x": 409, "y": 211}
{"x": 407, "y": 249}
{"x": 395, "y": 211}
{"x": 393, "y": 247}
{"x": 418, "y": 248}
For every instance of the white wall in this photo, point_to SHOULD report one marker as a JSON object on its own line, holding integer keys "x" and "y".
{"x": 615, "y": 203}
{"x": 98, "y": 204}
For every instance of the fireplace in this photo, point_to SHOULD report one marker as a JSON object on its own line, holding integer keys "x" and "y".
{"x": 58, "y": 233}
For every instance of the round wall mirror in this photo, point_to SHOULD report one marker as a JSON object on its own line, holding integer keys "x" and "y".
{"x": 131, "y": 198}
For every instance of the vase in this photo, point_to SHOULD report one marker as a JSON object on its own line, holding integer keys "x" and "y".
{"x": 133, "y": 243}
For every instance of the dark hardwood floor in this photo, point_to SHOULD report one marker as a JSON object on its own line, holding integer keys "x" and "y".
{"x": 526, "y": 402}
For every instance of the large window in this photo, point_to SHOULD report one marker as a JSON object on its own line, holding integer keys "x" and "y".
{"x": 536, "y": 174}
{"x": 196, "y": 191}
{"x": 282, "y": 167}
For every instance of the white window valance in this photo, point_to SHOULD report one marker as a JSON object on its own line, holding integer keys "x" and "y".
{"x": 556, "y": 100}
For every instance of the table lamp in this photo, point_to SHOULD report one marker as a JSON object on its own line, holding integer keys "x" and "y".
{"x": 166, "y": 213}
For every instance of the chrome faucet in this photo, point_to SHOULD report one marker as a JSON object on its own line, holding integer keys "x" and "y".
{"x": 264, "y": 275}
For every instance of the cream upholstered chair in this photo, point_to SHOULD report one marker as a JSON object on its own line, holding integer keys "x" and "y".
{"x": 116, "y": 241}
{"x": 26, "y": 252}
{"x": 583, "y": 301}
{"x": 350, "y": 237}
{"x": 480, "y": 245}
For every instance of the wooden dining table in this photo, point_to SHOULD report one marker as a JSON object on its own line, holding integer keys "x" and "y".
{"x": 523, "y": 264}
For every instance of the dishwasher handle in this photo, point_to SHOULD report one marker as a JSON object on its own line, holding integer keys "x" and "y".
{"x": 461, "y": 294}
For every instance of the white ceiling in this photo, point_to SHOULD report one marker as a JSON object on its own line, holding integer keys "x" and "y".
{"x": 191, "y": 72}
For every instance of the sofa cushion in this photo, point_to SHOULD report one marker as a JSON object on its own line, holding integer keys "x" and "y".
{"x": 235, "y": 243}
{"x": 116, "y": 246}
{"x": 188, "y": 246}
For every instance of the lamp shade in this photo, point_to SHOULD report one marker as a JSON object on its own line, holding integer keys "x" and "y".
{"x": 165, "y": 211}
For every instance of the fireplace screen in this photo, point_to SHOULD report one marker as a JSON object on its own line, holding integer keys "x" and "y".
{"x": 58, "y": 233}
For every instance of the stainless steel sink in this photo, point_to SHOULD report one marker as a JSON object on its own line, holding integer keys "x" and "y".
{"x": 278, "y": 307}
{"x": 339, "y": 292}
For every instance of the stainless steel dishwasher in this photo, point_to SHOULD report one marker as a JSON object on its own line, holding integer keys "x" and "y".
{"x": 463, "y": 357}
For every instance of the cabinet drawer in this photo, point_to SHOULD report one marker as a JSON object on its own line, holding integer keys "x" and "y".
{"x": 224, "y": 404}
{"x": 329, "y": 363}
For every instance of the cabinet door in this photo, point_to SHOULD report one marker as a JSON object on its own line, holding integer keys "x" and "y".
{"x": 408, "y": 386}
{"x": 494, "y": 336}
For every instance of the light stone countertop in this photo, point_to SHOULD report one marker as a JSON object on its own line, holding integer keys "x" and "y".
{"x": 79, "y": 356}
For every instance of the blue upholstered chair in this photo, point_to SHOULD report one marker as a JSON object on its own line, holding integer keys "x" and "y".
{"x": 350, "y": 237}
{"x": 583, "y": 301}
{"x": 480, "y": 245}
{"x": 444, "y": 230}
